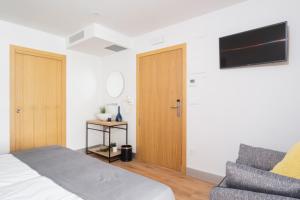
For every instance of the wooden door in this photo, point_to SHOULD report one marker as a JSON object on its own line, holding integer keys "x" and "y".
{"x": 37, "y": 99}
{"x": 161, "y": 110}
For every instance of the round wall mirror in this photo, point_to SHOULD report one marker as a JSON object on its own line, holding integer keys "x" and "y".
{"x": 115, "y": 84}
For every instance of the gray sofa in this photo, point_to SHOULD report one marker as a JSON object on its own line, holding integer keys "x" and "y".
{"x": 250, "y": 178}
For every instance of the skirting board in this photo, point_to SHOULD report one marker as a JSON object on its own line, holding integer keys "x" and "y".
{"x": 208, "y": 177}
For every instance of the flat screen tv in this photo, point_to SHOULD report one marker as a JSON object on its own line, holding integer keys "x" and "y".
{"x": 259, "y": 46}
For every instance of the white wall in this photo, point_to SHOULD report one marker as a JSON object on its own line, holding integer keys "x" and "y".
{"x": 82, "y": 80}
{"x": 256, "y": 105}
{"x": 121, "y": 62}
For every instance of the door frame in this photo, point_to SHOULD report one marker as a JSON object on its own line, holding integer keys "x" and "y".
{"x": 34, "y": 52}
{"x": 184, "y": 85}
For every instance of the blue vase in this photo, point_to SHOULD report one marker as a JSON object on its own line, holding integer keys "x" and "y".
{"x": 119, "y": 116}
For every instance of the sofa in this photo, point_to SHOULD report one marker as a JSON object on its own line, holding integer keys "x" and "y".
{"x": 249, "y": 178}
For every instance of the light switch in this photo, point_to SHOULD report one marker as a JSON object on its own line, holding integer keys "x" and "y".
{"x": 129, "y": 100}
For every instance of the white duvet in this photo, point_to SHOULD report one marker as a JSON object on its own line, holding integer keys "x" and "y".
{"x": 20, "y": 182}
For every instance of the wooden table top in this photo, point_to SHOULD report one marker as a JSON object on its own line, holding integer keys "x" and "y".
{"x": 106, "y": 123}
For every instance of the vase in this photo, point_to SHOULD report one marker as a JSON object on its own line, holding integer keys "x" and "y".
{"x": 119, "y": 116}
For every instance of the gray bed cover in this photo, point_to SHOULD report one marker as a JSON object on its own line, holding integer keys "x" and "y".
{"x": 90, "y": 178}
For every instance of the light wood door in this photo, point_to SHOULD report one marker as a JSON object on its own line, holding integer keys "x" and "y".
{"x": 37, "y": 99}
{"x": 161, "y": 107}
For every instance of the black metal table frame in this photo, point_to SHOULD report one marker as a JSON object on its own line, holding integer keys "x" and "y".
{"x": 104, "y": 131}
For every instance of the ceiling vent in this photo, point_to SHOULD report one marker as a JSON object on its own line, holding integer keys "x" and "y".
{"x": 76, "y": 37}
{"x": 98, "y": 40}
{"x": 115, "y": 48}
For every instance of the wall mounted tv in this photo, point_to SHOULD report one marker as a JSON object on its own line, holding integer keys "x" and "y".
{"x": 259, "y": 46}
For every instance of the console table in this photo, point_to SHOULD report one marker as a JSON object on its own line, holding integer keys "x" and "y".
{"x": 105, "y": 127}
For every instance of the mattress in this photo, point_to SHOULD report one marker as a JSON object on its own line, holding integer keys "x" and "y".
{"x": 61, "y": 174}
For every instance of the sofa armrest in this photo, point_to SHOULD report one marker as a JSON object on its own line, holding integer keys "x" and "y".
{"x": 219, "y": 193}
{"x": 243, "y": 177}
{"x": 260, "y": 158}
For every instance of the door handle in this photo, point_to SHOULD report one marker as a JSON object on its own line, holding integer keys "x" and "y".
{"x": 18, "y": 110}
{"x": 178, "y": 107}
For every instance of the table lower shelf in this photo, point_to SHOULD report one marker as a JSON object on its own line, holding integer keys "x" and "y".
{"x": 96, "y": 150}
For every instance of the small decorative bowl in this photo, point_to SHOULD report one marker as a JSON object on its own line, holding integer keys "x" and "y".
{"x": 103, "y": 116}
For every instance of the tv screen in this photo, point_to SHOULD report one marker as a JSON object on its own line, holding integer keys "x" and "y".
{"x": 263, "y": 45}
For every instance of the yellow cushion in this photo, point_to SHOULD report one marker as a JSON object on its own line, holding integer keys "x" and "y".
{"x": 290, "y": 165}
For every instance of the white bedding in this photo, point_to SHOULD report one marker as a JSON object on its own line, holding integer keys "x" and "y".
{"x": 20, "y": 182}
{"x": 39, "y": 188}
{"x": 12, "y": 170}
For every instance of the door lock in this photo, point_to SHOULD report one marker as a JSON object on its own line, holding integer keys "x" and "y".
{"x": 178, "y": 107}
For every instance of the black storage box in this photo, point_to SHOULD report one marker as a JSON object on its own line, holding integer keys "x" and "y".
{"x": 126, "y": 153}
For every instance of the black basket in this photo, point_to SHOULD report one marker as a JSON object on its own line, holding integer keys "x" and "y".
{"x": 126, "y": 153}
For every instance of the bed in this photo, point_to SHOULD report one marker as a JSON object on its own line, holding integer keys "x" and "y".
{"x": 58, "y": 173}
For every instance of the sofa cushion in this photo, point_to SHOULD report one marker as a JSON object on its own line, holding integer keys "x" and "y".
{"x": 259, "y": 158}
{"x": 290, "y": 165}
{"x": 219, "y": 193}
{"x": 243, "y": 177}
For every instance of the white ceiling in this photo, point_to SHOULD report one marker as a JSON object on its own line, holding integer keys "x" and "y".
{"x": 130, "y": 17}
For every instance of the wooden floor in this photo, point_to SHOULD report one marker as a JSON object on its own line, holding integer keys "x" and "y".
{"x": 184, "y": 187}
